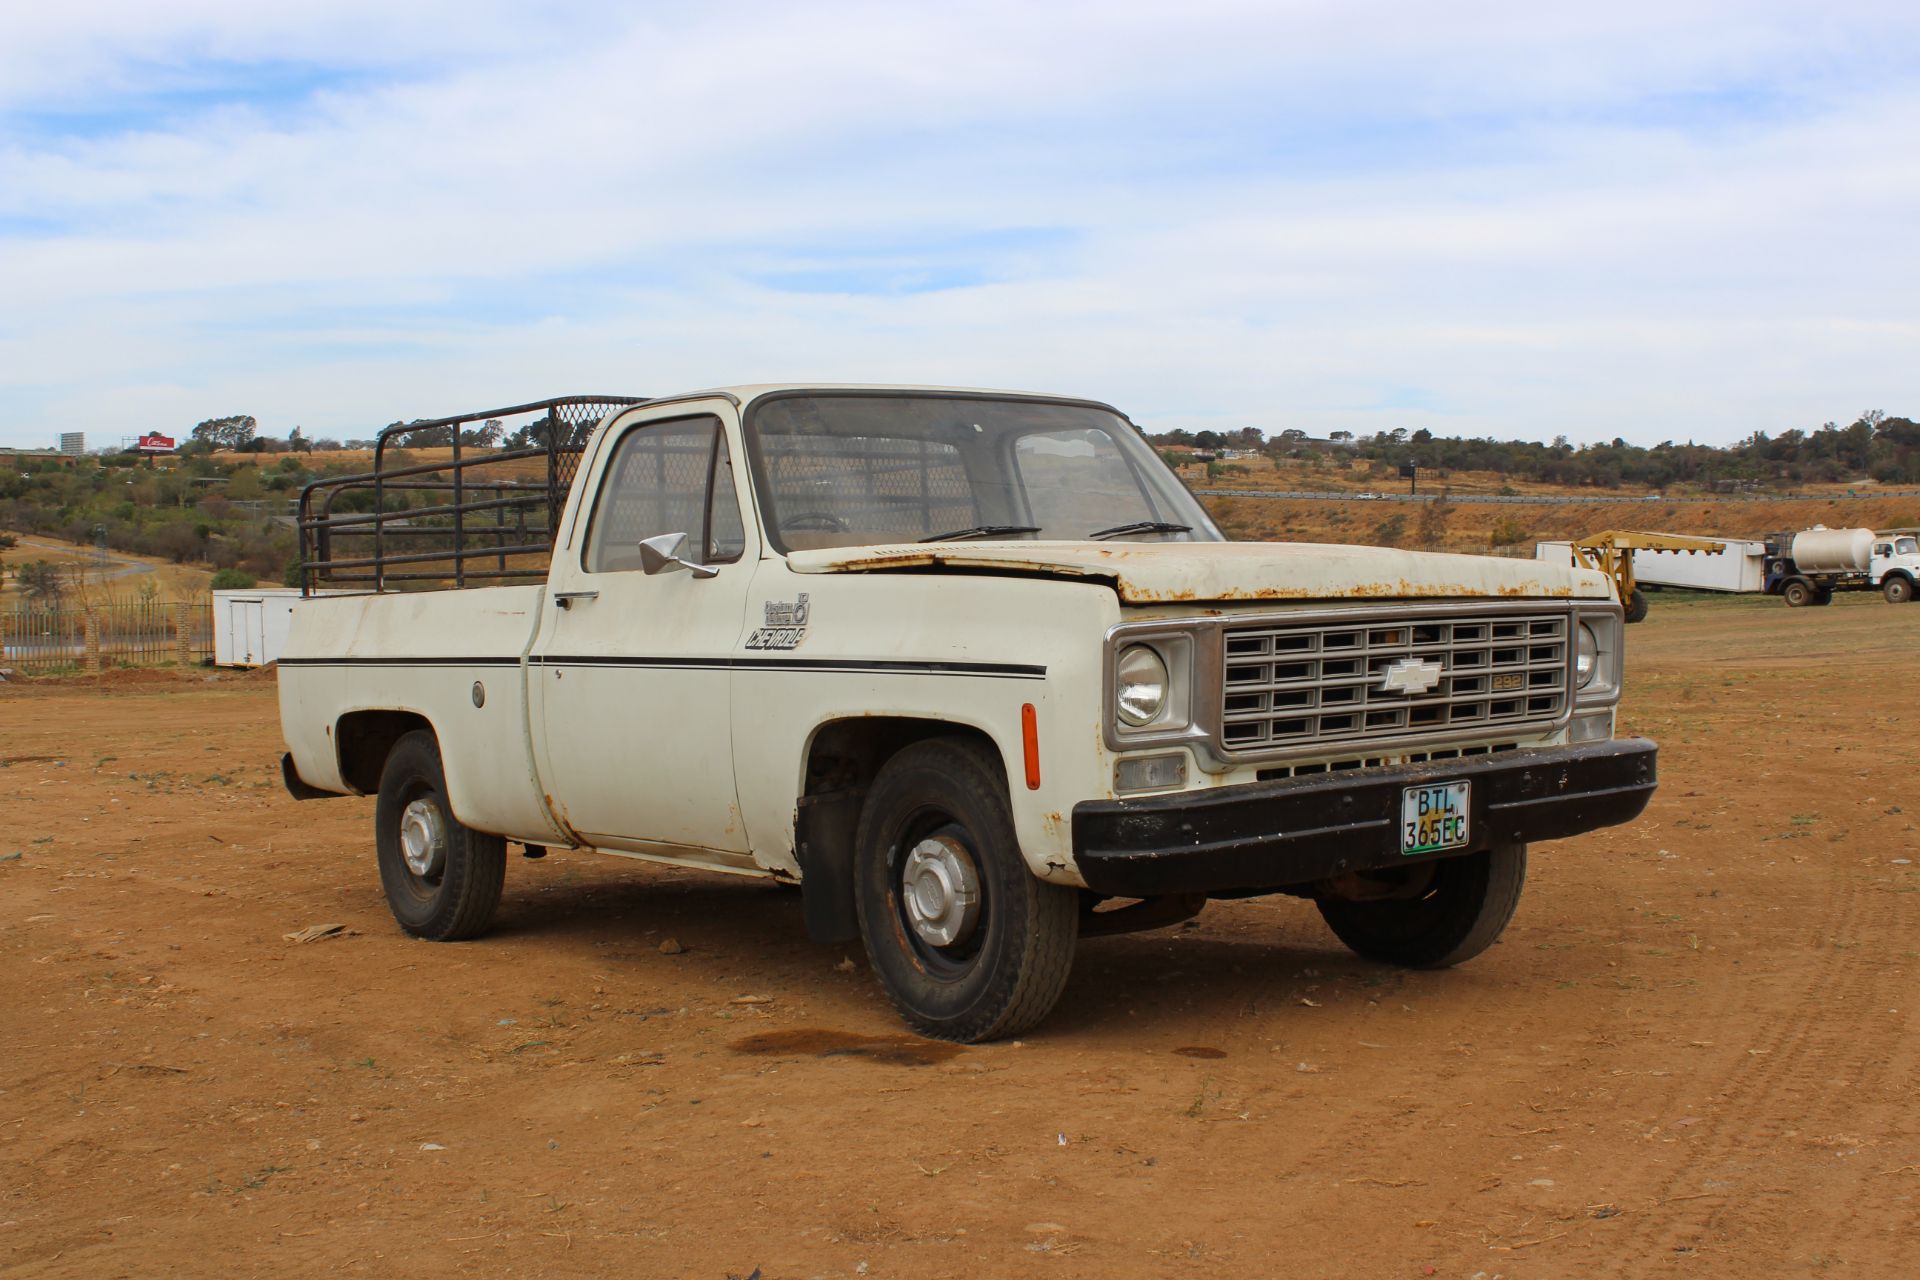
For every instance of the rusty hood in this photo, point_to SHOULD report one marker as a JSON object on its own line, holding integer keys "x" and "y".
{"x": 1194, "y": 572}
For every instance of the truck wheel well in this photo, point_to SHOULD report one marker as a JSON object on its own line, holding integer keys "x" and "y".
{"x": 847, "y": 753}
{"x": 841, "y": 763}
{"x": 364, "y": 739}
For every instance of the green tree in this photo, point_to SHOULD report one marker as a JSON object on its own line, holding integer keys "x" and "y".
{"x": 42, "y": 581}
{"x": 232, "y": 432}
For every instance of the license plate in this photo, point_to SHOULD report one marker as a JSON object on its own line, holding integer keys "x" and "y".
{"x": 1433, "y": 818}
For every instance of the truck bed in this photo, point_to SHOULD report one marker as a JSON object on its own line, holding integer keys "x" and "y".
{"x": 455, "y": 658}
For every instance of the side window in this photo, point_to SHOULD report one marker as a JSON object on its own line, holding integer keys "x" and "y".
{"x": 1883, "y": 549}
{"x": 671, "y": 477}
{"x": 726, "y": 536}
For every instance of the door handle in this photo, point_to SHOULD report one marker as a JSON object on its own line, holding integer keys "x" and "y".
{"x": 565, "y": 599}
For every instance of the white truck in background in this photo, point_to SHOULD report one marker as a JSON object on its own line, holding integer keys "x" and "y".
{"x": 1806, "y": 568}
{"x": 972, "y": 668}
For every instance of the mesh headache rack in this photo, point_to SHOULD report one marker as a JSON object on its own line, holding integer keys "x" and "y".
{"x": 447, "y": 504}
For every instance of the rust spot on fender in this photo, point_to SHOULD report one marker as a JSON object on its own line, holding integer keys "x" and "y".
{"x": 560, "y": 820}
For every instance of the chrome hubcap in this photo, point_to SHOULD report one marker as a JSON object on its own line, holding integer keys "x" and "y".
{"x": 423, "y": 840}
{"x": 941, "y": 890}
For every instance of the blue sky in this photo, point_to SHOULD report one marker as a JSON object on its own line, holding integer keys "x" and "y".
{"x": 1671, "y": 221}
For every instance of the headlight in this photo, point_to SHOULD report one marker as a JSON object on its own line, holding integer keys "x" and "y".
{"x": 1140, "y": 685}
{"x": 1586, "y": 656}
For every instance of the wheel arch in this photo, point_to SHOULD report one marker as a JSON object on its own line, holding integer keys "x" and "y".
{"x": 364, "y": 739}
{"x": 842, "y": 756}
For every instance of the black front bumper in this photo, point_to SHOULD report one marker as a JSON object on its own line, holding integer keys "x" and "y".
{"x": 1266, "y": 835}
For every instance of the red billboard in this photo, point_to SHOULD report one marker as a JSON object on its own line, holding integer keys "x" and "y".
{"x": 155, "y": 444}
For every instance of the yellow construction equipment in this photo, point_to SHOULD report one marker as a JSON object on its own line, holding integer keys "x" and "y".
{"x": 1612, "y": 553}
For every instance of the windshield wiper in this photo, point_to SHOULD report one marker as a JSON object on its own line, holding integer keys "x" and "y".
{"x": 983, "y": 531}
{"x": 1141, "y": 526}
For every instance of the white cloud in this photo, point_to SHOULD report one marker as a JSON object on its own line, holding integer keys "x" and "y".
{"x": 1653, "y": 221}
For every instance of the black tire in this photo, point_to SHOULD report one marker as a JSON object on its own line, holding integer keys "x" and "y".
{"x": 1637, "y": 606}
{"x": 1797, "y": 594}
{"x": 1006, "y": 966}
{"x": 1897, "y": 590}
{"x": 455, "y": 897}
{"x": 1458, "y": 913}
{"x": 1822, "y": 596}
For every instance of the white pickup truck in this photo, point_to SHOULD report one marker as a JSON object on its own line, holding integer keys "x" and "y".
{"x": 970, "y": 667}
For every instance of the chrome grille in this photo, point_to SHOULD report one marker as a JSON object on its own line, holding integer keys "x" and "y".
{"x": 1316, "y": 684}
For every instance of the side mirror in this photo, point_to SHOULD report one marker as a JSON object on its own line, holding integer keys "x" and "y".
{"x": 666, "y": 552}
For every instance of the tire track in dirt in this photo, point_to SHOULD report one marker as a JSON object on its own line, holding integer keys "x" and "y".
{"x": 1783, "y": 1089}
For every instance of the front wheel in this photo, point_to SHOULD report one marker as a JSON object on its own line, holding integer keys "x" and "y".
{"x": 442, "y": 880}
{"x": 1429, "y": 915}
{"x": 1798, "y": 595}
{"x": 1897, "y": 590}
{"x": 967, "y": 944}
{"x": 1637, "y": 607}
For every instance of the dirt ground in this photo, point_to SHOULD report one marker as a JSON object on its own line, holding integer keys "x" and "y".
{"x": 1693, "y": 1054}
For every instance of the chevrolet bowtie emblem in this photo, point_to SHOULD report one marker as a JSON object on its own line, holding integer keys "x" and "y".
{"x": 1412, "y": 676}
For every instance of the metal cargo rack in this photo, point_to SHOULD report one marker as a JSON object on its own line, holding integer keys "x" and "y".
{"x": 497, "y": 521}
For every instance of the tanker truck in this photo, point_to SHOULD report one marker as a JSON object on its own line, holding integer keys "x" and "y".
{"x": 1806, "y": 568}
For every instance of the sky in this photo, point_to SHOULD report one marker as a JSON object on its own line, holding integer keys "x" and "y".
{"x": 1655, "y": 221}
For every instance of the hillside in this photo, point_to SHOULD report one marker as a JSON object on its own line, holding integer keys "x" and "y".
{"x": 124, "y": 577}
{"x": 1513, "y": 529}
{"x": 1349, "y": 515}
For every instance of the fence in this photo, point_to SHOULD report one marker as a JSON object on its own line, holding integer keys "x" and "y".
{"x": 44, "y": 639}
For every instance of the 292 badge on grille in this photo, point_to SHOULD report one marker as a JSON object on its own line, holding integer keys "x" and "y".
{"x": 1434, "y": 817}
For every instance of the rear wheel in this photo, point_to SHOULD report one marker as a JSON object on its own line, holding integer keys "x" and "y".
{"x": 968, "y": 945}
{"x": 1897, "y": 590}
{"x": 1823, "y": 595}
{"x": 442, "y": 880}
{"x": 1797, "y": 594}
{"x": 1429, "y": 915}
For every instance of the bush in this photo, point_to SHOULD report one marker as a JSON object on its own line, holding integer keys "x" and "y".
{"x": 233, "y": 580}
{"x": 1390, "y": 531}
{"x": 1507, "y": 531}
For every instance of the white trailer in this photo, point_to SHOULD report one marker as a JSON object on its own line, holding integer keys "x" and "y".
{"x": 1740, "y": 568}
{"x": 250, "y": 627}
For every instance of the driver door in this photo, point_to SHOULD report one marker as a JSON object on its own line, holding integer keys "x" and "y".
{"x": 629, "y": 677}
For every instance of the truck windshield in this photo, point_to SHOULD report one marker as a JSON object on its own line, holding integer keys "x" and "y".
{"x": 1906, "y": 547}
{"x": 851, "y": 470}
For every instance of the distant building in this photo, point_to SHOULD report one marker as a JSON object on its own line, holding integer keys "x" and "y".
{"x": 73, "y": 443}
{"x": 10, "y": 456}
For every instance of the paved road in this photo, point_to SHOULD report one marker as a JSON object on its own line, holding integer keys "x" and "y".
{"x": 127, "y": 566}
